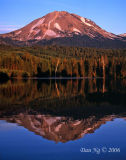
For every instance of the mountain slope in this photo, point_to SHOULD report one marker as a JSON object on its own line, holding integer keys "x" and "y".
{"x": 123, "y": 35}
{"x": 63, "y": 28}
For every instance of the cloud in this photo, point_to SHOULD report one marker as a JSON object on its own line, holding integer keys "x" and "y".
{"x": 8, "y": 28}
{"x": 11, "y": 26}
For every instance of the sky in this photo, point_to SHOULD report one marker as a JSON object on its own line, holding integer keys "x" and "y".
{"x": 108, "y": 14}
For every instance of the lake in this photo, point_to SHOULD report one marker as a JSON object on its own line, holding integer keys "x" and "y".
{"x": 59, "y": 119}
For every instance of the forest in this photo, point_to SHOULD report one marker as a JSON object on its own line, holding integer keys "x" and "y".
{"x": 61, "y": 61}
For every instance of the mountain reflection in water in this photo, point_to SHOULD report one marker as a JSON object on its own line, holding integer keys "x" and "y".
{"x": 62, "y": 110}
{"x": 59, "y": 129}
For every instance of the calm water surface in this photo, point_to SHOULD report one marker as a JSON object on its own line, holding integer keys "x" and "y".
{"x": 63, "y": 119}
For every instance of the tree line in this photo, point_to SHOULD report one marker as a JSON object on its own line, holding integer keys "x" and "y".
{"x": 59, "y": 61}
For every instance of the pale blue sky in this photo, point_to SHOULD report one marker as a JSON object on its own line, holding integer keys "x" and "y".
{"x": 108, "y": 14}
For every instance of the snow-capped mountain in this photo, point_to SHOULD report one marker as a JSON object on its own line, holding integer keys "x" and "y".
{"x": 55, "y": 128}
{"x": 56, "y": 26}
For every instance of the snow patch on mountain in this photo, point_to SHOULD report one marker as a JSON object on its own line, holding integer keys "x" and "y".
{"x": 40, "y": 22}
{"x": 57, "y": 128}
{"x": 18, "y": 32}
{"x": 77, "y": 123}
{"x": 50, "y": 33}
{"x": 38, "y": 38}
{"x": 111, "y": 36}
{"x": 91, "y": 35}
{"x": 37, "y": 31}
{"x": 49, "y": 24}
{"x": 83, "y": 20}
{"x": 51, "y": 120}
{"x": 76, "y": 30}
{"x": 56, "y": 25}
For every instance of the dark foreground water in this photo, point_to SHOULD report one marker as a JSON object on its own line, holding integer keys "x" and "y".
{"x": 63, "y": 119}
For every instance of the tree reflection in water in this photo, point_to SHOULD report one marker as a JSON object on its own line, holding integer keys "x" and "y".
{"x": 52, "y": 108}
